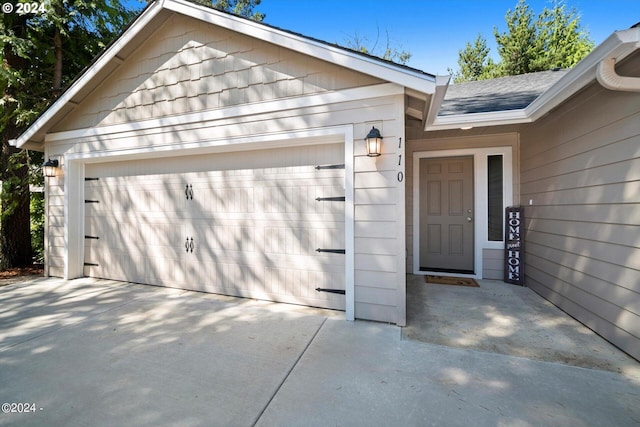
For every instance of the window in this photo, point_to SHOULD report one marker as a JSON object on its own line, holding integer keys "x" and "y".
{"x": 495, "y": 197}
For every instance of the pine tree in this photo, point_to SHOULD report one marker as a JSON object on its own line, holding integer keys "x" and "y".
{"x": 555, "y": 38}
{"x": 40, "y": 53}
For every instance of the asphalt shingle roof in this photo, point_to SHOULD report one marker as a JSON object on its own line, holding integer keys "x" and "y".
{"x": 500, "y": 94}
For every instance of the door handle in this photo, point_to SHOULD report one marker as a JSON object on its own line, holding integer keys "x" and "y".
{"x": 469, "y": 219}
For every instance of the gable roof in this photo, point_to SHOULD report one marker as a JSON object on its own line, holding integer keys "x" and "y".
{"x": 159, "y": 11}
{"x": 500, "y": 94}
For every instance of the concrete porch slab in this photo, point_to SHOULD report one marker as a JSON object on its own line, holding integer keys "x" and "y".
{"x": 506, "y": 319}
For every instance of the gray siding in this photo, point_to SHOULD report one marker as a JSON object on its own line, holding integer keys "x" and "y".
{"x": 581, "y": 171}
{"x": 492, "y": 259}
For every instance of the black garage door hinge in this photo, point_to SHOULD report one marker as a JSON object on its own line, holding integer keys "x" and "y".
{"x": 340, "y": 166}
{"x": 331, "y": 291}
{"x": 330, "y": 199}
{"x": 332, "y": 251}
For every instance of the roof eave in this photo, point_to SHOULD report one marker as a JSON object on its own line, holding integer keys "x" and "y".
{"x": 384, "y": 70}
{"x": 33, "y": 137}
{"x": 471, "y": 120}
{"x": 619, "y": 45}
{"x": 26, "y": 139}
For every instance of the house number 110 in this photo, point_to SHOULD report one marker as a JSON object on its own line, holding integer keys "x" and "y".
{"x": 400, "y": 175}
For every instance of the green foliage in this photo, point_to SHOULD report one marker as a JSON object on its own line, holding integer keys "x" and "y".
{"x": 40, "y": 54}
{"x": 517, "y": 46}
{"x": 475, "y": 63}
{"x": 36, "y": 209}
{"x": 531, "y": 43}
{"x": 561, "y": 41}
{"x": 243, "y": 8}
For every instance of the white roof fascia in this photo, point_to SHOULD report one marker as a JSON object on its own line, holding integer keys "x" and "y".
{"x": 257, "y": 108}
{"x": 371, "y": 66}
{"x": 109, "y": 55}
{"x": 405, "y": 77}
{"x": 442, "y": 83}
{"x": 619, "y": 45}
{"x": 494, "y": 118}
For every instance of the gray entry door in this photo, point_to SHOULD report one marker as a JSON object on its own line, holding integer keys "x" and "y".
{"x": 446, "y": 215}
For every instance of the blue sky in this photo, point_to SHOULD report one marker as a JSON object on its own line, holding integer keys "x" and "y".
{"x": 433, "y": 31}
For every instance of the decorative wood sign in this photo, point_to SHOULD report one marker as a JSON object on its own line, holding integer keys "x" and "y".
{"x": 514, "y": 246}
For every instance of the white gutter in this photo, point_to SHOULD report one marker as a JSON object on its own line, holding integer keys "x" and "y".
{"x": 442, "y": 83}
{"x": 619, "y": 45}
{"x": 609, "y": 79}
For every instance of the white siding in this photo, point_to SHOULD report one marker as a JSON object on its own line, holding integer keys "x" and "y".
{"x": 190, "y": 66}
{"x": 379, "y": 207}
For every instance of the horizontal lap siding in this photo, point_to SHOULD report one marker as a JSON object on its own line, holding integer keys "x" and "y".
{"x": 379, "y": 272}
{"x": 580, "y": 170}
{"x": 189, "y": 66}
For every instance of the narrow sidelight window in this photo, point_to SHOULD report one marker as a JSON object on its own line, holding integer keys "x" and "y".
{"x": 496, "y": 201}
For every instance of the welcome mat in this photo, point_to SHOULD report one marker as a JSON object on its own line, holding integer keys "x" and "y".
{"x": 456, "y": 281}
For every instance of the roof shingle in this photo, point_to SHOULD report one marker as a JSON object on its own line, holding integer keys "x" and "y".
{"x": 500, "y": 94}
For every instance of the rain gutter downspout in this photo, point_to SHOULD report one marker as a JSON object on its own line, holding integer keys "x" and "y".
{"x": 608, "y": 78}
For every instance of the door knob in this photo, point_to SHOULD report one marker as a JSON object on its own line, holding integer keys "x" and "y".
{"x": 469, "y": 219}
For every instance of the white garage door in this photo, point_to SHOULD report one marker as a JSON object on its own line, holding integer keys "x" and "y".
{"x": 260, "y": 224}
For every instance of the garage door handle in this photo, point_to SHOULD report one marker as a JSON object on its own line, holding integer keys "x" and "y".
{"x": 188, "y": 191}
{"x": 188, "y": 245}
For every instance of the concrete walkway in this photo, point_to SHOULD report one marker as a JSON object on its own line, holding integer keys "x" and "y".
{"x": 101, "y": 353}
{"x": 506, "y": 319}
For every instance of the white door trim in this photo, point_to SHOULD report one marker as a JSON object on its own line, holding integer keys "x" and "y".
{"x": 74, "y": 171}
{"x": 481, "y": 239}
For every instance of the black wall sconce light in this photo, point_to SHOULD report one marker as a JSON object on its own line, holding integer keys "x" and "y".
{"x": 374, "y": 143}
{"x": 50, "y": 168}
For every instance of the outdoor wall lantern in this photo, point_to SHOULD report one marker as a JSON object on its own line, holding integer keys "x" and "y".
{"x": 50, "y": 168}
{"x": 374, "y": 143}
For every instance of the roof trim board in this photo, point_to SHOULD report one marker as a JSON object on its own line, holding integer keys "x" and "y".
{"x": 255, "y": 109}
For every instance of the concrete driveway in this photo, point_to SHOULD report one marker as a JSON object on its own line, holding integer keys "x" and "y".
{"x": 101, "y": 353}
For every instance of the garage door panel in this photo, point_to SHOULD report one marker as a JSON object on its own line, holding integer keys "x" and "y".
{"x": 242, "y": 232}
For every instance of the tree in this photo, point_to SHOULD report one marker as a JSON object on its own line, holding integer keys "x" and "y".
{"x": 555, "y": 38}
{"x": 562, "y": 42}
{"x": 243, "y": 8}
{"x": 518, "y": 46}
{"x": 41, "y": 53}
{"x": 388, "y": 52}
{"x": 474, "y": 62}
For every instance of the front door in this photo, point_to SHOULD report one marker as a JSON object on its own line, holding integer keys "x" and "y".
{"x": 446, "y": 215}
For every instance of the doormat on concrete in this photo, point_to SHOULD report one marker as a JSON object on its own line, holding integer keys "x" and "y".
{"x": 456, "y": 281}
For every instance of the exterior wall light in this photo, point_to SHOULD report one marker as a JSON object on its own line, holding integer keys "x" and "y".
{"x": 50, "y": 168}
{"x": 374, "y": 143}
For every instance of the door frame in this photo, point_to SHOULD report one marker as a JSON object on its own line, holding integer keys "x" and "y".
{"x": 480, "y": 194}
